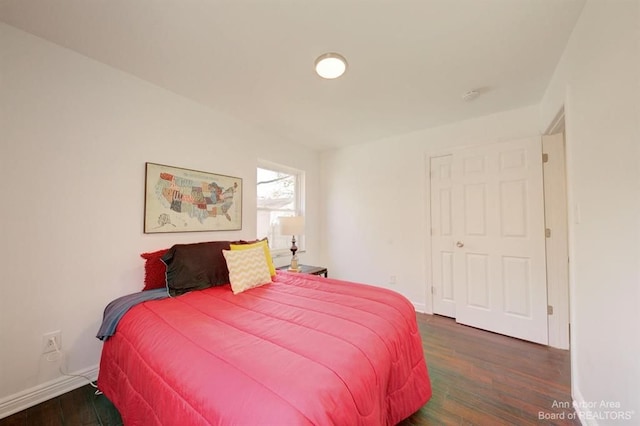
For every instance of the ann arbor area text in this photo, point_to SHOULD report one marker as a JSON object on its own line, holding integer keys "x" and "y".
{"x": 561, "y": 404}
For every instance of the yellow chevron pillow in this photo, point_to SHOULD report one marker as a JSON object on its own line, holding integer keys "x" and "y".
{"x": 247, "y": 268}
{"x": 264, "y": 243}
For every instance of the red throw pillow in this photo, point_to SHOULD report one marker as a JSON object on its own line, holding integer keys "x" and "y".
{"x": 154, "y": 270}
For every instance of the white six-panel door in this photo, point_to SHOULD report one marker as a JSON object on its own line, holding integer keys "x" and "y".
{"x": 496, "y": 249}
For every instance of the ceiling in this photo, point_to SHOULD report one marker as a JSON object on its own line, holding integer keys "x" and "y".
{"x": 410, "y": 61}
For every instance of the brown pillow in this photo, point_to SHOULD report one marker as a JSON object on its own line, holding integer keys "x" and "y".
{"x": 196, "y": 266}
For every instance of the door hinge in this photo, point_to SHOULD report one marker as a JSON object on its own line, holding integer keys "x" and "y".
{"x": 549, "y": 310}
{"x": 433, "y": 289}
{"x": 547, "y": 232}
{"x": 545, "y": 157}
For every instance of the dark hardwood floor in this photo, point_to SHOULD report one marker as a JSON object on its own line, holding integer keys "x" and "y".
{"x": 478, "y": 378}
{"x": 80, "y": 407}
{"x": 483, "y": 378}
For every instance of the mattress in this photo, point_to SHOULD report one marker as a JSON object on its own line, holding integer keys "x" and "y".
{"x": 301, "y": 350}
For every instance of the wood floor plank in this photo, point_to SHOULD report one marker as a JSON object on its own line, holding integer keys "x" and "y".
{"x": 18, "y": 419}
{"x": 105, "y": 410}
{"x": 47, "y": 413}
{"x": 77, "y": 408}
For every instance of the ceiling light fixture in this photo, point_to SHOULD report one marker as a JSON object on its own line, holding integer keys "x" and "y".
{"x": 330, "y": 65}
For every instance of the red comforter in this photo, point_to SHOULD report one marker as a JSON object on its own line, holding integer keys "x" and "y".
{"x": 302, "y": 350}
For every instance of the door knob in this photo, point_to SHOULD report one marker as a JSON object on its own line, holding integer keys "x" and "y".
{"x": 460, "y": 244}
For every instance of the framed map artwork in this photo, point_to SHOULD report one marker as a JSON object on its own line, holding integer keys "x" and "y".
{"x": 183, "y": 200}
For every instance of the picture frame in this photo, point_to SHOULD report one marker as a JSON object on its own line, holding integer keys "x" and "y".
{"x": 186, "y": 200}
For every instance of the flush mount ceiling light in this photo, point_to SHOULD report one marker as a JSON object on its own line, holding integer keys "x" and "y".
{"x": 330, "y": 65}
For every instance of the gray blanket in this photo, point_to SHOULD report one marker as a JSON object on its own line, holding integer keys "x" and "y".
{"x": 117, "y": 308}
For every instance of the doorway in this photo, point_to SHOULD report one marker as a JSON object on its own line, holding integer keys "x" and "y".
{"x": 488, "y": 243}
{"x": 499, "y": 240}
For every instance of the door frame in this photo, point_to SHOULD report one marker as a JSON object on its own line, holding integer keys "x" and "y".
{"x": 559, "y": 294}
{"x": 556, "y": 241}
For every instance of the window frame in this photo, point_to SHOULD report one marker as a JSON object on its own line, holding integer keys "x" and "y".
{"x": 299, "y": 201}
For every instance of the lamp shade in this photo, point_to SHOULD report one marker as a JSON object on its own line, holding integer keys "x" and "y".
{"x": 292, "y": 225}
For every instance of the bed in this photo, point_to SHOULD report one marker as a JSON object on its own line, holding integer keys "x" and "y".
{"x": 299, "y": 350}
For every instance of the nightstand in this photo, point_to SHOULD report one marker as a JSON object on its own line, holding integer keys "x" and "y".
{"x": 306, "y": 269}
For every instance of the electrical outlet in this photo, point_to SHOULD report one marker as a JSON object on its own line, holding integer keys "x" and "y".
{"x": 47, "y": 341}
{"x": 392, "y": 280}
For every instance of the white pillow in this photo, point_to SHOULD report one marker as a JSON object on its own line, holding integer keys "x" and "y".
{"x": 247, "y": 268}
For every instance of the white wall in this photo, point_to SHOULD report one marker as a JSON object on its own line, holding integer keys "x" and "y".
{"x": 75, "y": 135}
{"x": 375, "y": 205}
{"x": 598, "y": 82}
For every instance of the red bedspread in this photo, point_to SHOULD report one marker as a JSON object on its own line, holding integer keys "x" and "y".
{"x": 302, "y": 350}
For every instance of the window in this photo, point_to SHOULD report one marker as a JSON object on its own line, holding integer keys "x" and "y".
{"x": 280, "y": 193}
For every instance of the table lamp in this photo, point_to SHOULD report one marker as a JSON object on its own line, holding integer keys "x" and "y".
{"x": 292, "y": 225}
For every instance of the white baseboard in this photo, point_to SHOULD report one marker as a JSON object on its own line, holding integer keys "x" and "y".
{"x": 582, "y": 409}
{"x": 37, "y": 394}
{"x": 420, "y": 307}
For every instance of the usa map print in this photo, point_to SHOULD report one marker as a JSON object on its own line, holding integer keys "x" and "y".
{"x": 184, "y": 200}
